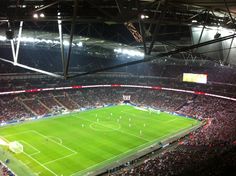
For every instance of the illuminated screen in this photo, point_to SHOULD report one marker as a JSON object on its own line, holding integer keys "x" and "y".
{"x": 196, "y": 78}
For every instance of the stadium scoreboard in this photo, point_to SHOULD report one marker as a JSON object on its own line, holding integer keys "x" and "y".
{"x": 195, "y": 78}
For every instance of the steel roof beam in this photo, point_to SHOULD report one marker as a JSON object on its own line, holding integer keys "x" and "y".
{"x": 157, "y": 28}
{"x": 179, "y": 50}
{"x": 47, "y": 6}
{"x": 67, "y": 64}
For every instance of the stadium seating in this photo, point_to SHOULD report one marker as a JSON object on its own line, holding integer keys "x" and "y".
{"x": 210, "y": 149}
{"x": 35, "y": 106}
{"x": 11, "y": 109}
{"x": 199, "y": 150}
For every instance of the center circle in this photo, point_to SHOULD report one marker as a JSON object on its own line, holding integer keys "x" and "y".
{"x": 105, "y": 126}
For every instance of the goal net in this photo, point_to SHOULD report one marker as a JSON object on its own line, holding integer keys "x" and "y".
{"x": 126, "y": 98}
{"x": 16, "y": 147}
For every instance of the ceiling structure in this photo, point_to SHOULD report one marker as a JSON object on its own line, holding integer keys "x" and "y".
{"x": 144, "y": 19}
{"x": 117, "y": 11}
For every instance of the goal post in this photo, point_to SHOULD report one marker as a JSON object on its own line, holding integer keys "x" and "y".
{"x": 126, "y": 98}
{"x": 16, "y": 147}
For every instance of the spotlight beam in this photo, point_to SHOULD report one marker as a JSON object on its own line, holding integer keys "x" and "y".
{"x": 18, "y": 42}
{"x": 61, "y": 44}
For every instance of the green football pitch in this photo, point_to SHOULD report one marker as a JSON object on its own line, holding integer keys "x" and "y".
{"x": 77, "y": 143}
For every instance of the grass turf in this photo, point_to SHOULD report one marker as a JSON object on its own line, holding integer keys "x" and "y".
{"x": 76, "y": 143}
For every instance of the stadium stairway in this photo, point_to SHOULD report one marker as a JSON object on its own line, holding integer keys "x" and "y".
{"x": 180, "y": 106}
{"x": 76, "y": 104}
{"x": 21, "y": 102}
{"x": 58, "y": 102}
{"x": 49, "y": 110}
{"x": 185, "y": 103}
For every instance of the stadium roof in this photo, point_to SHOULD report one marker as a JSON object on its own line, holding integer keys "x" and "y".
{"x": 115, "y": 11}
{"x": 144, "y": 20}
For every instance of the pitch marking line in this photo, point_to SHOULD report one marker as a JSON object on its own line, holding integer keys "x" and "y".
{"x": 148, "y": 144}
{"x": 40, "y": 164}
{"x": 73, "y": 151}
{"x": 49, "y": 138}
{"x": 46, "y": 137}
{"x": 15, "y": 134}
{"x": 37, "y": 161}
{"x": 25, "y": 164}
{"x": 117, "y": 156}
{"x": 115, "y": 129}
{"x": 59, "y": 139}
{"x": 37, "y": 151}
{"x": 49, "y": 162}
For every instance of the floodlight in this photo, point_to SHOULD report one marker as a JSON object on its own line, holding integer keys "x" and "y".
{"x": 66, "y": 43}
{"x": 2, "y": 38}
{"x": 42, "y": 15}
{"x": 144, "y": 16}
{"x": 35, "y": 16}
{"x": 80, "y": 44}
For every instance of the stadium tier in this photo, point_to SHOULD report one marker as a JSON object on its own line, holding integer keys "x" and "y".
{"x": 217, "y": 113}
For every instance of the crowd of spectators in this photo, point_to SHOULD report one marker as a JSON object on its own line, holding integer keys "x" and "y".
{"x": 210, "y": 150}
{"x": 11, "y": 109}
{"x": 35, "y": 106}
{"x": 4, "y": 171}
{"x": 221, "y": 115}
{"x": 49, "y": 101}
{"x": 164, "y": 100}
{"x": 43, "y": 103}
{"x": 215, "y": 141}
{"x": 67, "y": 102}
{"x": 186, "y": 160}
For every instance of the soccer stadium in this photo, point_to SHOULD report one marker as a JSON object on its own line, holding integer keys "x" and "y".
{"x": 117, "y": 87}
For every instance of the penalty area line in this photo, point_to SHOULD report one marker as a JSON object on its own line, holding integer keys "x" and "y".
{"x": 37, "y": 151}
{"x": 46, "y": 137}
{"x": 49, "y": 162}
{"x": 40, "y": 163}
{"x": 59, "y": 139}
{"x": 37, "y": 161}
